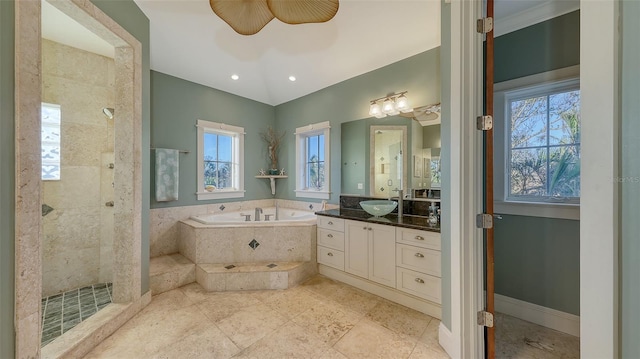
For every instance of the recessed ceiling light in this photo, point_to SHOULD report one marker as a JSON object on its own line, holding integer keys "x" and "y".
{"x": 292, "y": 78}
{"x": 235, "y": 77}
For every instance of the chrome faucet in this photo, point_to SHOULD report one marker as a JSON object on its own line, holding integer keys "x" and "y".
{"x": 257, "y": 215}
{"x": 400, "y": 198}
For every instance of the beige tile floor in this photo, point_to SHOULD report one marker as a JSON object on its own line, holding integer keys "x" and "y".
{"x": 320, "y": 318}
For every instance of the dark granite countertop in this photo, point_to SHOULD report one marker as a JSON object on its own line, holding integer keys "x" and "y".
{"x": 407, "y": 221}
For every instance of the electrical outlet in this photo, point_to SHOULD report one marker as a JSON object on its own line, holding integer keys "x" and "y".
{"x": 360, "y": 186}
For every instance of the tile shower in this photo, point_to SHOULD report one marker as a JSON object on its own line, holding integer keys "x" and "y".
{"x": 77, "y": 237}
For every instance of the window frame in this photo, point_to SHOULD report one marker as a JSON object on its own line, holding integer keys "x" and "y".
{"x": 237, "y": 134}
{"x": 302, "y": 133}
{"x": 538, "y": 84}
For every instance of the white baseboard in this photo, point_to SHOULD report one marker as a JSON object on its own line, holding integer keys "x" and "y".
{"x": 445, "y": 338}
{"x": 547, "y": 317}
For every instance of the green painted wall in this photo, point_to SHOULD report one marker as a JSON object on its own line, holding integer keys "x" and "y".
{"x": 630, "y": 226}
{"x": 7, "y": 164}
{"x": 537, "y": 260}
{"x": 177, "y": 104}
{"x": 548, "y": 45}
{"x": 348, "y": 101}
{"x": 445, "y": 158}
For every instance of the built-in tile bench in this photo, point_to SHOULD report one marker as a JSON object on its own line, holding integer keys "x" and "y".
{"x": 169, "y": 272}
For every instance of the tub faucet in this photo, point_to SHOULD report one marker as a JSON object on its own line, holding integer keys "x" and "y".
{"x": 257, "y": 215}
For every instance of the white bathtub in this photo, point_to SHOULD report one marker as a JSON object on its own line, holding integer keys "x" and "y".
{"x": 286, "y": 217}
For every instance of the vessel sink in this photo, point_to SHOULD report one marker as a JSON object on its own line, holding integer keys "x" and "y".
{"x": 378, "y": 208}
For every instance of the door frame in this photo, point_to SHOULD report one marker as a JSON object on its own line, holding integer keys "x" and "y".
{"x": 599, "y": 212}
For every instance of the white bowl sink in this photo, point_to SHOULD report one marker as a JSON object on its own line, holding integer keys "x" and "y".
{"x": 378, "y": 208}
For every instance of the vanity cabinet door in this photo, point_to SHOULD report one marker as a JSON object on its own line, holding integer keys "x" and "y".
{"x": 382, "y": 256}
{"x": 356, "y": 248}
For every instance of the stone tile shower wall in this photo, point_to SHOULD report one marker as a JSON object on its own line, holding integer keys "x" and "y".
{"x": 78, "y": 233}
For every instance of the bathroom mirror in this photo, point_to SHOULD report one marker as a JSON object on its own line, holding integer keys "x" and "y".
{"x": 387, "y": 160}
{"x": 420, "y": 158}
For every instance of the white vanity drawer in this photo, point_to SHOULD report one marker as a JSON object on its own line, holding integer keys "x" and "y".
{"x": 414, "y": 237}
{"x": 331, "y": 239}
{"x": 419, "y": 284}
{"x": 331, "y": 257}
{"x": 332, "y": 223}
{"x": 418, "y": 259}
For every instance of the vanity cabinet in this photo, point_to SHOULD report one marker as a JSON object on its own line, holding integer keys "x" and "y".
{"x": 418, "y": 263}
{"x": 397, "y": 263}
{"x": 331, "y": 242}
{"x": 369, "y": 251}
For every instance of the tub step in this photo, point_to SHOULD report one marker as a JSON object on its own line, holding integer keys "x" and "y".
{"x": 219, "y": 277}
{"x": 169, "y": 272}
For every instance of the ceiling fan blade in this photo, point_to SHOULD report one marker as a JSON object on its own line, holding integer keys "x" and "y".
{"x": 303, "y": 11}
{"x": 246, "y": 17}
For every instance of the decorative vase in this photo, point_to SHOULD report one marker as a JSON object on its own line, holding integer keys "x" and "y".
{"x": 274, "y": 172}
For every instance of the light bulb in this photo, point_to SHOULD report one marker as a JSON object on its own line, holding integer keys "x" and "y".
{"x": 235, "y": 77}
{"x": 389, "y": 107}
{"x": 374, "y": 109}
{"x": 402, "y": 104}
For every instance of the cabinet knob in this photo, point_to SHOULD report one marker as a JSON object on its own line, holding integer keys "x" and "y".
{"x": 419, "y": 255}
{"x": 371, "y": 229}
{"x": 420, "y": 280}
{"x": 365, "y": 228}
{"x": 420, "y": 238}
{"x": 330, "y": 235}
{"x": 330, "y": 254}
{"x": 330, "y": 223}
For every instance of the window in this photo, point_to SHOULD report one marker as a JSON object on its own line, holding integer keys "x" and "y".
{"x": 220, "y": 161}
{"x": 312, "y": 160}
{"x": 50, "y": 137}
{"x": 543, "y": 143}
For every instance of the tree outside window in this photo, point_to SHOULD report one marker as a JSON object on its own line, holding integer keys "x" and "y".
{"x": 544, "y": 150}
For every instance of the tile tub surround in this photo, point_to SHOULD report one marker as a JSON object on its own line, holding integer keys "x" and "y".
{"x": 229, "y": 245}
{"x": 164, "y": 222}
{"x": 250, "y": 250}
{"x": 62, "y": 312}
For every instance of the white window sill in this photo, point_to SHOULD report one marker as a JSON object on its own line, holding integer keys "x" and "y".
{"x": 219, "y": 195}
{"x": 313, "y": 194}
{"x": 537, "y": 209}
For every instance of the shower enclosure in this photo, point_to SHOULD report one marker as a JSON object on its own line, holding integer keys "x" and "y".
{"x": 77, "y": 188}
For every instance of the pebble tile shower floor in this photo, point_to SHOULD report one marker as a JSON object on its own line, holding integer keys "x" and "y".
{"x": 63, "y": 311}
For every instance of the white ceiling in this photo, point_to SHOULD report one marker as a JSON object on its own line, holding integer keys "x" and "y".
{"x": 190, "y": 42}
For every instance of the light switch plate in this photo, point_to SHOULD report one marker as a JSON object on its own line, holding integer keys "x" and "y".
{"x": 360, "y": 186}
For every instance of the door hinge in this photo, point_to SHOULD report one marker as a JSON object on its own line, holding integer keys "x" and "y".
{"x": 484, "y": 220}
{"x": 485, "y": 25}
{"x": 484, "y": 123}
{"x": 485, "y": 319}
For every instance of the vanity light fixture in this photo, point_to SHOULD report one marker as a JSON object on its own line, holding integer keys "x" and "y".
{"x": 390, "y": 105}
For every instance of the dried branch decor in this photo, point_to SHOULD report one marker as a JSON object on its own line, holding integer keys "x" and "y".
{"x": 273, "y": 139}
